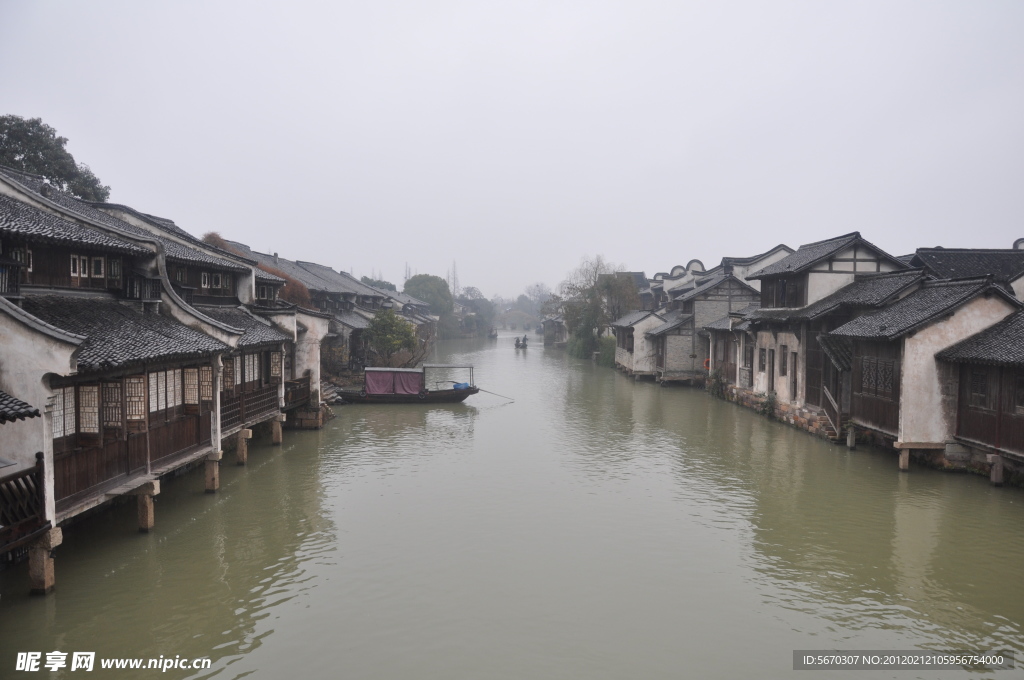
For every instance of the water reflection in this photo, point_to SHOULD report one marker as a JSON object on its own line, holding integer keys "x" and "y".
{"x": 205, "y": 583}
{"x": 594, "y": 527}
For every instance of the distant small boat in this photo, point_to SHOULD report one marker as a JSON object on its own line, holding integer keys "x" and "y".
{"x": 521, "y": 343}
{"x": 408, "y": 386}
{"x": 493, "y": 334}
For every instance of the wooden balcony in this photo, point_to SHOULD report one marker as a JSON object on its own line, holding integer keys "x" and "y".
{"x": 296, "y": 392}
{"x": 22, "y": 506}
{"x": 247, "y": 406}
{"x": 80, "y": 472}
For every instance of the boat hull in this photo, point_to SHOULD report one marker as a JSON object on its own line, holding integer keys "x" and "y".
{"x": 428, "y": 397}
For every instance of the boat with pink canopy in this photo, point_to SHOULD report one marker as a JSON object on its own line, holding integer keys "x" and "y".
{"x": 411, "y": 385}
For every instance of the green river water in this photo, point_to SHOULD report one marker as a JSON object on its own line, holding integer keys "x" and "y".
{"x": 594, "y": 528}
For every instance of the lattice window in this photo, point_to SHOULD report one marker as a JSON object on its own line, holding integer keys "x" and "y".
{"x": 63, "y": 412}
{"x": 229, "y": 374}
{"x": 135, "y": 397}
{"x": 153, "y": 391}
{"x": 191, "y": 385}
{"x": 979, "y": 390}
{"x": 89, "y": 409}
{"x": 762, "y": 360}
{"x": 114, "y": 268}
{"x": 97, "y": 267}
{"x": 112, "y": 404}
{"x": 869, "y": 375}
{"x": 206, "y": 383}
{"x": 275, "y": 365}
{"x": 175, "y": 389}
{"x": 161, "y": 390}
{"x": 783, "y": 359}
{"x": 74, "y": 265}
{"x": 252, "y": 368}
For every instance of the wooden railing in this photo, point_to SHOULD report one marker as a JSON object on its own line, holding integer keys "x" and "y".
{"x": 832, "y": 410}
{"x": 22, "y": 506}
{"x": 9, "y": 279}
{"x": 296, "y": 392}
{"x": 245, "y": 407}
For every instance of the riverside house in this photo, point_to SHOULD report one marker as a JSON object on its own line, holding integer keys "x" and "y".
{"x": 131, "y": 380}
{"x": 901, "y": 394}
{"x": 988, "y": 373}
{"x": 779, "y": 347}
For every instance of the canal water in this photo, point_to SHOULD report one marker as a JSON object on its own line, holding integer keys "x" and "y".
{"x": 593, "y": 528}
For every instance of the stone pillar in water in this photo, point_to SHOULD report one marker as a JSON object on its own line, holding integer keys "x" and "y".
{"x": 40, "y": 562}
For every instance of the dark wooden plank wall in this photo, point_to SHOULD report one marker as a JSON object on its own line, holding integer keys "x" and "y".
{"x": 991, "y": 406}
{"x": 876, "y": 385}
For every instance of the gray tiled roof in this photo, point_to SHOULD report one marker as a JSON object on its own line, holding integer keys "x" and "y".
{"x": 673, "y": 320}
{"x": 117, "y": 335}
{"x": 631, "y": 318}
{"x": 960, "y": 263}
{"x": 21, "y": 219}
{"x": 352, "y": 320}
{"x": 810, "y": 254}
{"x": 838, "y": 349}
{"x": 267, "y": 276}
{"x": 807, "y": 255}
{"x": 344, "y": 281}
{"x": 12, "y": 409}
{"x": 752, "y": 258}
{"x": 723, "y": 324}
{"x": 867, "y": 290}
{"x": 933, "y": 300}
{"x": 1001, "y": 344}
{"x": 173, "y": 249}
{"x": 256, "y": 331}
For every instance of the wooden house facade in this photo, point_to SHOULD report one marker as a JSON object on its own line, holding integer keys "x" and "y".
{"x": 132, "y": 376}
{"x": 901, "y": 393}
{"x": 989, "y": 367}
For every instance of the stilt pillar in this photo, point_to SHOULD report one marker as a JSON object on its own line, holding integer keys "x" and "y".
{"x": 851, "y": 438}
{"x": 144, "y": 495}
{"x": 213, "y": 471}
{"x": 276, "y": 435}
{"x": 995, "y": 475}
{"x": 242, "y": 447}
{"x": 40, "y": 562}
{"x": 904, "y": 460}
{"x": 147, "y": 517}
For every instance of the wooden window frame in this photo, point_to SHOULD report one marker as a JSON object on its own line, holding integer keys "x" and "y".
{"x": 93, "y": 261}
{"x": 74, "y": 267}
{"x": 783, "y": 360}
{"x": 204, "y": 280}
{"x": 762, "y": 359}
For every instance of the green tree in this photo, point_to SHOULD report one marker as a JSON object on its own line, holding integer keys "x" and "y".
{"x": 33, "y": 146}
{"x": 592, "y": 296}
{"x": 433, "y": 290}
{"x": 379, "y": 283}
{"x": 389, "y": 338}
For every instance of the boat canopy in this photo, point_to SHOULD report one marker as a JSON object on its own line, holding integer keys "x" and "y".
{"x": 380, "y": 380}
{"x": 394, "y": 380}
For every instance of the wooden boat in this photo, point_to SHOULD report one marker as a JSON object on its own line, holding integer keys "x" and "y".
{"x": 408, "y": 386}
{"x": 493, "y": 334}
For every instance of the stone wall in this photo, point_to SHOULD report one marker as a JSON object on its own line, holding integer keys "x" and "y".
{"x": 808, "y": 418}
{"x": 308, "y": 418}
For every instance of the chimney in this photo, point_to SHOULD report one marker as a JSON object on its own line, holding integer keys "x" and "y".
{"x": 1018, "y": 244}
{"x": 275, "y": 258}
{"x": 45, "y": 190}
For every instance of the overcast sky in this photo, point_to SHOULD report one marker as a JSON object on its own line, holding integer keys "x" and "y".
{"x": 515, "y": 137}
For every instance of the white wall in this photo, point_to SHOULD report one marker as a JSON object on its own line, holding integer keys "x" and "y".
{"x": 922, "y": 417}
{"x": 27, "y": 360}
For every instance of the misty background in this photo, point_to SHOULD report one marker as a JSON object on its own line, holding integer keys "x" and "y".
{"x": 515, "y": 137}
